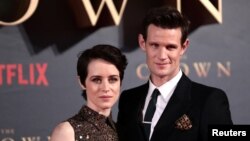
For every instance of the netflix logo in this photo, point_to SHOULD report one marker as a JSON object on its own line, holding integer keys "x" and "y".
{"x": 24, "y": 74}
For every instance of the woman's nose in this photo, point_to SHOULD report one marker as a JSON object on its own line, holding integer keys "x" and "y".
{"x": 105, "y": 86}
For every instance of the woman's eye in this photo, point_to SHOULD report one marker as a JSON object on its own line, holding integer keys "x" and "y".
{"x": 96, "y": 80}
{"x": 113, "y": 80}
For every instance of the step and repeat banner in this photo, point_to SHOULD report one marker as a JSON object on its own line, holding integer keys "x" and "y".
{"x": 40, "y": 40}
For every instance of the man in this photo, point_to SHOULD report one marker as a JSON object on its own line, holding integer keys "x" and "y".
{"x": 184, "y": 108}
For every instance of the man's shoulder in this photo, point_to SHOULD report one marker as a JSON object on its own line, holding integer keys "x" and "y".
{"x": 136, "y": 91}
{"x": 205, "y": 91}
{"x": 185, "y": 81}
{"x": 204, "y": 86}
{"x": 143, "y": 86}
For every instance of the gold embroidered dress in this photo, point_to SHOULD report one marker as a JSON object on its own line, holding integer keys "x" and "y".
{"x": 91, "y": 126}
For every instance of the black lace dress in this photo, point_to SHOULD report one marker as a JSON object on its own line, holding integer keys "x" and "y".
{"x": 91, "y": 126}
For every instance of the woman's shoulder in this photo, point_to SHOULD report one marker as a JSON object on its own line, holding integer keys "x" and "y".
{"x": 63, "y": 131}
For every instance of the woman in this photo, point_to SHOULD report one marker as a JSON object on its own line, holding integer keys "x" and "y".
{"x": 100, "y": 70}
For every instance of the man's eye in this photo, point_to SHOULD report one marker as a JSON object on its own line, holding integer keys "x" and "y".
{"x": 171, "y": 47}
{"x": 154, "y": 45}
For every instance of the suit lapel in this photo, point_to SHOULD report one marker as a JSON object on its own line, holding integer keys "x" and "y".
{"x": 143, "y": 93}
{"x": 177, "y": 106}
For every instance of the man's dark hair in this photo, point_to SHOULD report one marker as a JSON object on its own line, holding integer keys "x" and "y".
{"x": 166, "y": 17}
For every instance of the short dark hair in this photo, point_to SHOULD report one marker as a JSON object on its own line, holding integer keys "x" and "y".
{"x": 108, "y": 53}
{"x": 166, "y": 17}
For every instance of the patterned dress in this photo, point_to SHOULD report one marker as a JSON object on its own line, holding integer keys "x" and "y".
{"x": 91, "y": 126}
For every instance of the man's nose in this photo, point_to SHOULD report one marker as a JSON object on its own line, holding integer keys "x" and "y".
{"x": 162, "y": 54}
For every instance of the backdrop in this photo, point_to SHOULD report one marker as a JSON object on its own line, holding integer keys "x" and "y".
{"x": 38, "y": 81}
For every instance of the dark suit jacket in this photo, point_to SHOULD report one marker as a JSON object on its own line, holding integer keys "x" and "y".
{"x": 202, "y": 104}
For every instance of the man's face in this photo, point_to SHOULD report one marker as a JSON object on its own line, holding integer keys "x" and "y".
{"x": 163, "y": 50}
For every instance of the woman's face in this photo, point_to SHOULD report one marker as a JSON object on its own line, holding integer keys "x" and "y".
{"x": 102, "y": 85}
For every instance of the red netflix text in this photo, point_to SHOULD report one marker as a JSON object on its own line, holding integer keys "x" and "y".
{"x": 24, "y": 74}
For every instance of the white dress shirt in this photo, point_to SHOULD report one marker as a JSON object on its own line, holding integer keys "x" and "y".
{"x": 166, "y": 91}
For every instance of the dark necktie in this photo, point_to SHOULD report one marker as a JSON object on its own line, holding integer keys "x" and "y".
{"x": 150, "y": 112}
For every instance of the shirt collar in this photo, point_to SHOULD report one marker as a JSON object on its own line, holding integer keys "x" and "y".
{"x": 168, "y": 87}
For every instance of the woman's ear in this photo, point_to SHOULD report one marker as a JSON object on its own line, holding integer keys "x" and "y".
{"x": 80, "y": 83}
